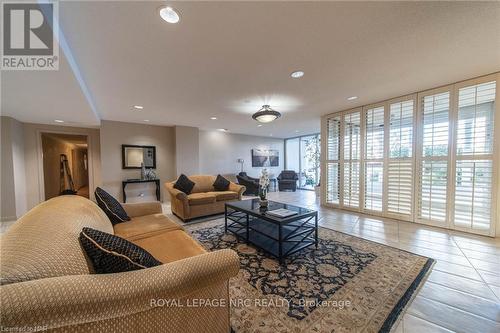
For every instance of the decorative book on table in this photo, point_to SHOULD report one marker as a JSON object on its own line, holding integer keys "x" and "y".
{"x": 282, "y": 213}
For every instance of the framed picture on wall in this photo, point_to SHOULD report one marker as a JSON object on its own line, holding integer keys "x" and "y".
{"x": 265, "y": 158}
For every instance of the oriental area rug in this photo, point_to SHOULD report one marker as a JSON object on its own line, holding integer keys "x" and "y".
{"x": 347, "y": 284}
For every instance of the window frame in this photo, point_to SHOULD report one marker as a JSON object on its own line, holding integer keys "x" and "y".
{"x": 418, "y": 156}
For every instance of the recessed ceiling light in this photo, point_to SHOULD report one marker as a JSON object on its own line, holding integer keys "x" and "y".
{"x": 138, "y": 107}
{"x": 352, "y": 98}
{"x": 259, "y": 125}
{"x": 169, "y": 14}
{"x": 59, "y": 121}
{"x": 297, "y": 131}
{"x": 146, "y": 120}
{"x": 270, "y": 135}
{"x": 213, "y": 118}
{"x": 223, "y": 129}
{"x": 297, "y": 74}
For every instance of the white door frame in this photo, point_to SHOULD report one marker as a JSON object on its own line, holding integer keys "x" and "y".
{"x": 90, "y": 161}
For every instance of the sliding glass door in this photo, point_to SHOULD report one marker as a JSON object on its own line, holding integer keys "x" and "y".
{"x": 303, "y": 156}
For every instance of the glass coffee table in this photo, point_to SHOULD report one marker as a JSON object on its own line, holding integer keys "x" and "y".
{"x": 280, "y": 237}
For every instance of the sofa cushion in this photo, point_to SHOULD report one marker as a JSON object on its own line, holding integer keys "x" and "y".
{"x": 221, "y": 183}
{"x": 171, "y": 246}
{"x": 201, "y": 198}
{"x": 184, "y": 184}
{"x": 225, "y": 195}
{"x": 110, "y": 206}
{"x": 144, "y": 226}
{"x": 112, "y": 254}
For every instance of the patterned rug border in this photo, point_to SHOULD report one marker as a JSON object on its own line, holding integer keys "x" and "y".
{"x": 395, "y": 316}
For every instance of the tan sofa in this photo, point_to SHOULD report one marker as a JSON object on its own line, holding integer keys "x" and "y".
{"x": 47, "y": 282}
{"x": 203, "y": 200}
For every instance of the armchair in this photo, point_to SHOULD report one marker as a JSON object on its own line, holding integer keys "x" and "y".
{"x": 251, "y": 184}
{"x": 287, "y": 180}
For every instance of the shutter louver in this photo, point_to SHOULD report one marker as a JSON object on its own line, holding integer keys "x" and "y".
{"x": 352, "y": 154}
{"x": 374, "y": 159}
{"x": 333, "y": 156}
{"x": 474, "y": 161}
{"x": 433, "y": 169}
{"x": 400, "y": 168}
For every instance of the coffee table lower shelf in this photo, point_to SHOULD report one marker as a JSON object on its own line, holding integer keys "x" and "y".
{"x": 267, "y": 236}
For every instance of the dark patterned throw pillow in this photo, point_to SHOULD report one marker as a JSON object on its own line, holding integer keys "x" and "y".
{"x": 112, "y": 254}
{"x": 110, "y": 206}
{"x": 184, "y": 184}
{"x": 221, "y": 183}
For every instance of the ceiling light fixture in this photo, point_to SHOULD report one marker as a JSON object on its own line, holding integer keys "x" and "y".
{"x": 297, "y": 74}
{"x": 146, "y": 120}
{"x": 213, "y": 118}
{"x": 352, "y": 98}
{"x": 138, "y": 107}
{"x": 259, "y": 125}
{"x": 169, "y": 14}
{"x": 59, "y": 121}
{"x": 223, "y": 129}
{"x": 266, "y": 114}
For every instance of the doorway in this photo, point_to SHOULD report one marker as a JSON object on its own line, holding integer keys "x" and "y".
{"x": 65, "y": 165}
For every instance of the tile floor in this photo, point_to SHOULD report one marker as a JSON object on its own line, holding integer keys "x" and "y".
{"x": 462, "y": 293}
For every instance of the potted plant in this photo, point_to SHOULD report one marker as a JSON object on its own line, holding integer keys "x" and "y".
{"x": 263, "y": 188}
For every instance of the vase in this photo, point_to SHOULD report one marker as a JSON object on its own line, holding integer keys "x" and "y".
{"x": 263, "y": 203}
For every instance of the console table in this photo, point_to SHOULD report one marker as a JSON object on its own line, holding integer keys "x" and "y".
{"x": 133, "y": 181}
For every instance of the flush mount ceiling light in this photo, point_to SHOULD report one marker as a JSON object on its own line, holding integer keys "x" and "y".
{"x": 213, "y": 118}
{"x": 352, "y": 98}
{"x": 146, "y": 120}
{"x": 266, "y": 114}
{"x": 297, "y": 74}
{"x": 138, "y": 107}
{"x": 169, "y": 14}
{"x": 223, "y": 129}
{"x": 59, "y": 121}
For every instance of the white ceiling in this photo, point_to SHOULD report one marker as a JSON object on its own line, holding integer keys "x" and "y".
{"x": 226, "y": 59}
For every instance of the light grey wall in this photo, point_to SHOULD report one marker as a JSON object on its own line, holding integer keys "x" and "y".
{"x": 7, "y": 197}
{"x": 18, "y": 161}
{"x": 187, "y": 158}
{"x": 112, "y": 135}
{"x": 219, "y": 152}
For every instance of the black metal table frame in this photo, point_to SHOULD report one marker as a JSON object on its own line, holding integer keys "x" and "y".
{"x": 136, "y": 181}
{"x": 241, "y": 218}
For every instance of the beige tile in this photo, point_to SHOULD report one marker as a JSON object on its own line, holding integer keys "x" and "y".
{"x": 463, "y": 301}
{"x": 485, "y": 265}
{"x": 490, "y": 278}
{"x": 450, "y": 317}
{"x": 481, "y": 256}
{"x": 412, "y": 324}
{"x": 460, "y": 270}
{"x": 473, "y": 287}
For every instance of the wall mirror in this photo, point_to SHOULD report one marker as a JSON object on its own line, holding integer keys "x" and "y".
{"x": 133, "y": 156}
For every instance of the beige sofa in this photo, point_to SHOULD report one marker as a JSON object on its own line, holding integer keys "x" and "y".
{"x": 203, "y": 200}
{"x": 47, "y": 281}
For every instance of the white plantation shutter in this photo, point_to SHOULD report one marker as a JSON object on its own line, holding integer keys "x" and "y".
{"x": 400, "y": 162}
{"x": 333, "y": 157}
{"x": 433, "y": 169}
{"x": 400, "y": 187}
{"x": 433, "y": 190}
{"x": 352, "y": 155}
{"x": 429, "y": 158}
{"x": 374, "y": 159}
{"x": 474, "y": 156}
